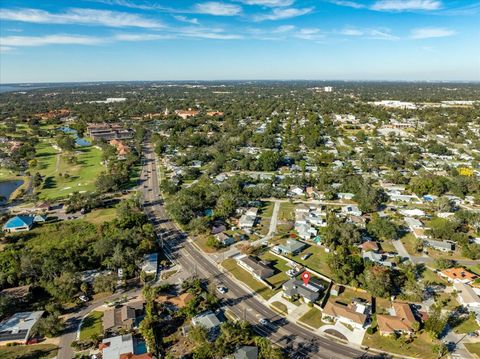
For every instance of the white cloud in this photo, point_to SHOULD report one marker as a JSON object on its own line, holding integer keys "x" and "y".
{"x": 353, "y": 4}
{"x": 214, "y": 33}
{"x": 269, "y": 3}
{"x": 374, "y": 34}
{"x": 406, "y": 5}
{"x": 16, "y": 41}
{"x": 182, "y": 18}
{"x": 80, "y": 16}
{"x": 141, "y": 37}
{"x": 283, "y": 29}
{"x": 351, "y": 32}
{"x": 431, "y": 32}
{"x": 279, "y": 14}
{"x": 218, "y": 9}
{"x": 309, "y": 34}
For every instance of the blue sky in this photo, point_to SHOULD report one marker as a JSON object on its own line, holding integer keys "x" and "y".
{"x": 108, "y": 40}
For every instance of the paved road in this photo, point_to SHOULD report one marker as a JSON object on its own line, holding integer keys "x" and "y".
{"x": 300, "y": 342}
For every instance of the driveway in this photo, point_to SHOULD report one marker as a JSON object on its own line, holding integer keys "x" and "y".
{"x": 354, "y": 336}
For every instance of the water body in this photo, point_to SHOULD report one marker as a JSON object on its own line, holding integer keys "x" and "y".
{"x": 79, "y": 141}
{"x": 7, "y": 188}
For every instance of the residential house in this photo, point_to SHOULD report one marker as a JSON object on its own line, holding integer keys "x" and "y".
{"x": 294, "y": 287}
{"x": 336, "y": 290}
{"x": 444, "y": 246}
{"x": 458, "y": 275}
{"x": 18, "y": 327}
{"x": 18, "y": 294}
{"x": 122, "y": 149}
{"x": 290, "y": 246}
{"x": 122, "y": 317}
{"x": 123, "y": 347}
{"x": 347, "y": 314}
{"x": 224, "y": 239}
{"x": 209, "y": 321}
{"x": 246, "y": 352}
{"x": 258, "y": 269}
{"x": 19, "y": 223}
{"x": 377, "y": 258}
{"x": 351, "y": 210}
{"x": 401, "y": 321}
{"x": 150, "y": 263}
{"x": 369, "y": 246}
{"x": 467, "y": 296}
{"x": 248, "y": 219}
{"x": 345, "y": 195}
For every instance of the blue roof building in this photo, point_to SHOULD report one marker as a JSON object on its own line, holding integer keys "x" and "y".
{"x": 19, "y": 224}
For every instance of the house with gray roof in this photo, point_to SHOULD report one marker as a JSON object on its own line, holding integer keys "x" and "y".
{"x": 209, "y": 321}
{"x": 246, "y": 352}
{"x": 444, "y": 246}
{"x": 291, "y": 246}
{"x": 258, "y": 269}
{"x": 294, "y": 287}
{"x": 18, "y": 327}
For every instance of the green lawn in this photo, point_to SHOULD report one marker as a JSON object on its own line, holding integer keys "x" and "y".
{"x": 317, "y": 261}
{"x": 266, "y": 210}
{"x": 409, "y": 242}
{"x": 429, "y": 276}
{"x": 102, "y": 215}
{"x": 280, "y": 307}
{"x": 39, "y": 351}
{"x": 420, "y": 347}
{"x": 286, "y": 211}
{"x": 312, "y": 318}
{"x": 467, "y": 326}
{"x": 53, "y": 166}
{"x": 245, "y": 277}
{"x": 348, "y": 294}
{"x": 91, "y": 325}
{"x": 280, "y": 266}
{"x": 473, "y": 348}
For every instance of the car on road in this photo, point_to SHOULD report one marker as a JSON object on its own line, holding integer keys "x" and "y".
{"x": 264, "y": 321}
{"x": 84, "y": 298}
{"x": 221, "y": 289}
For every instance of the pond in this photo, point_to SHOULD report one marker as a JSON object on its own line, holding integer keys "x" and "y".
{"x": 7, "y": 188}
{"x": 79, "y": 141}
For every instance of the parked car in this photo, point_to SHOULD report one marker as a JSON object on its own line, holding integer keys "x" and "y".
{"x": 222, "y": 289}
{"x": 84, "y": 298}
{"x": 264, "y": 321}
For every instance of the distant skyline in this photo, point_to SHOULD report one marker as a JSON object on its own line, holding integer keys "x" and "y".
{"x": 127, "y": 40}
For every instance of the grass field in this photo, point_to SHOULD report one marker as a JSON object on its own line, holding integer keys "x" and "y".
{"x": 39, "y": 351}
{"x": 245, "y": 277}
{"x": 317, "y": 261}
{"x": 286, "y": 211}
{"x": 473, "y": 348}
{"x": 53, "y": 166}
{"x": 467, "y": 326}
{"x": 102, "y": 215}
{"x": 280, "y": 307}
{"x": 312, "y": 318}
{"x": 91, "y": 326}
{"x": 420, "y": 347}
{"x": 409, "y": 242}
